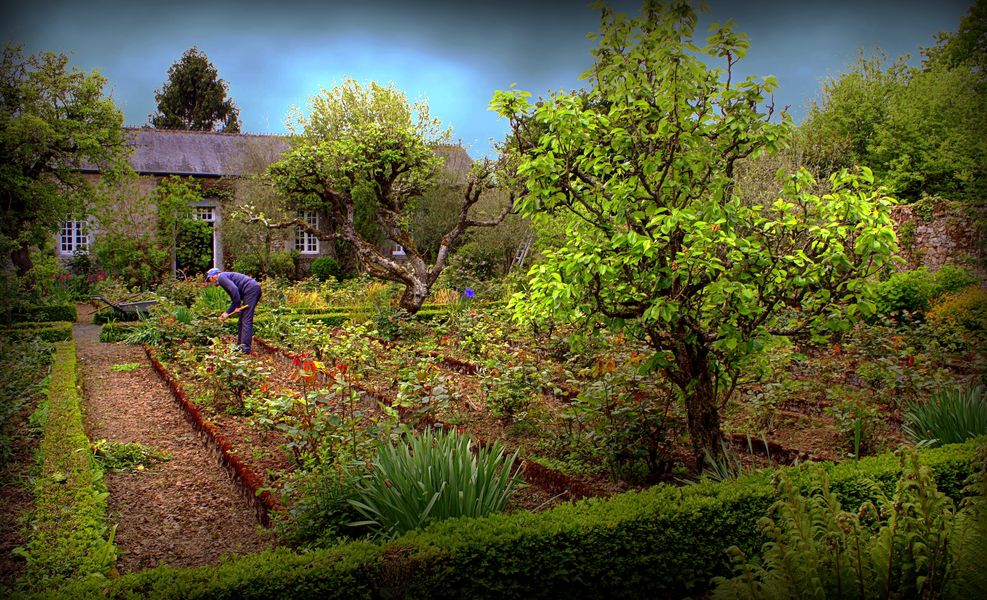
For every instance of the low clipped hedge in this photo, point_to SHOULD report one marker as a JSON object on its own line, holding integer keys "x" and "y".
{"x": 47, "y": 314}
{"x": 429, "y": 307}
{"x": 664, "y": 542}
{"x": 69, "y": 536}
{"x": 55, "y": 331}
{"x": 335, "y": 319}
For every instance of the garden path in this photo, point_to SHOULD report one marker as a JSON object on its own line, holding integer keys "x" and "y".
{"x": 182, "y": 512}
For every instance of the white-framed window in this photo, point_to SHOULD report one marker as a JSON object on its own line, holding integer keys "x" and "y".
{"x": 74, "y": 236}
{"x": 205, "y": 213}
{"x": 305, "y": 242}
{"x": 398, "y": 250}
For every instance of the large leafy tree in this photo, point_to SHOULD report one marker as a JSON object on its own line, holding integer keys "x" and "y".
{"x": 640, "y": 171}
{"x": 920, "y": 129}
{"x": 367, "y": 148}
{"x": 54, "y": 120}
{"x": 194, "y": 97}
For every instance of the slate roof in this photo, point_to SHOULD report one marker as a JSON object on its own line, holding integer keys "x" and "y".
{"x": 212, "y": 154}
{"x": 201, "y": 153}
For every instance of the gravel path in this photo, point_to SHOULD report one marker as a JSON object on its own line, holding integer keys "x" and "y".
{"x": 183, "y": 512}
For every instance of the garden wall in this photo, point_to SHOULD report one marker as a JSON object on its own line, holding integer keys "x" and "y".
{"x": 934, "y": 233}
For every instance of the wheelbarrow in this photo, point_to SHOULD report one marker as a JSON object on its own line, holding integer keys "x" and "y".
{"x": 129, "y": 309}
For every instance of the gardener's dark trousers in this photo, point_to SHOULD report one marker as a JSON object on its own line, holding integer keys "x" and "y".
{"x": 245, "y": 326}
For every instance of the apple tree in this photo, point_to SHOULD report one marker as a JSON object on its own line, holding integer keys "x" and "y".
{"x": 639, "y": 169}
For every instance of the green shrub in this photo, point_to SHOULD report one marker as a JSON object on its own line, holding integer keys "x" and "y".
{"x": 905, "y": 292}
{"x": 433, "y": 477}
{"x": 325, "y": 268}
{"x": 914, "y": 291}
{"x": 23, "y": 363}
{"x": 70, "y": 537}
{"x": 44, "y": 314}
{"x": 949, "y": 417}
{"x": 283, "y": 264}
{"x": 116, "y": 332}
{"x": 212, "y": 299}
{"x": 899, "y": 547}
{"x": 950, "y": 279}
{"x": 322, "y": 514}
{"x": 961, "y": 319}
{"x": 50, "y": 332}
{"x": 278, "y": 264}
{"x": 663, "y": 542}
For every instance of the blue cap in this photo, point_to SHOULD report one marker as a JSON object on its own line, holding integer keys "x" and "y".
{"x": 211, "y": 272}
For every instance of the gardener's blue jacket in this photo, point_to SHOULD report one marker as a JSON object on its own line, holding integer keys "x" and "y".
{"x": 240, "y": 287}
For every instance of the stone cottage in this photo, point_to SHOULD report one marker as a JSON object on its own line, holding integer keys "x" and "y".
{"x": 216, "y": 160}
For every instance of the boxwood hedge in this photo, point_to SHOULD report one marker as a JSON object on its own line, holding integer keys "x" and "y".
{"x": 55, "y": 331}
{"x": 45, "y": 314}
{"x": 69, "y": 537}
{"x": 664, "y": 542}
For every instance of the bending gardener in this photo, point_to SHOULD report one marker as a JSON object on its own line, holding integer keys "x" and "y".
{"x": 244, "y": 295}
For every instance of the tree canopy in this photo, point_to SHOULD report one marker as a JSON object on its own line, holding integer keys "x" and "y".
{"x": 368, "y": 148}
{"x": 640, "y": 172}
{"x": 194, "y": 97}
{"x": 54, "y": 119}
{"x": 920, "y": 129}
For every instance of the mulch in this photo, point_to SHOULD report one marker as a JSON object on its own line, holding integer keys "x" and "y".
{"x": 183, "y": 512}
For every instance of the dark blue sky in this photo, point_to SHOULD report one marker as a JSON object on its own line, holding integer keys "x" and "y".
{"x": 456, "y": 53}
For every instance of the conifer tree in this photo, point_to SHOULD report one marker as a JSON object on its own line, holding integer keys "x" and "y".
{"x": 194, "y": 97}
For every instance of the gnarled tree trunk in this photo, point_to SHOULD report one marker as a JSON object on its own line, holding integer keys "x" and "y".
{"x": 693, "y": 374}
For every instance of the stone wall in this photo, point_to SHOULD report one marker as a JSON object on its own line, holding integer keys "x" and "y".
{"x": 932, "y": 234}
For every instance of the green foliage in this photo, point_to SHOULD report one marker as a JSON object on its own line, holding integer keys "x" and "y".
{"x": 193, "y": 252}
{"x": 322, "y": 514}
{"x": 433, "y": 477}
{"x": 70, "y": 537}
{"x": 897, "y": 547}
{"x": 962, "y": 318}
{"x": 914, "y": 291}
{"x": 181, "y": 292}
{"x": 194, "y": 98}
{"x": 275, "y": 264}
{"x": 136, "y": 260}
{"x": 49, "y": 332}
{"x": 856, "y": 420}
{"x": 116, "y": 332}
{"x": 951, "y": 416}
{"x": 45, "y": 314}
{"x": 228, "y": 372}
{"x": 663, "y": 542}
{"x": 919, "y": 129}
{"x": 53, "y": 118}
{"x": 130, "y": 456}
{"x": 631, "y": 429}
{"x": 324, "y": 268}
{"x": 24, "y": 364}
{"x": 367, "y": 151}
{"x": 639, "y": 173}
{"x": 125, "y": 367}
{"x": 424, "y": 392}
{"x": 212, "y": 299}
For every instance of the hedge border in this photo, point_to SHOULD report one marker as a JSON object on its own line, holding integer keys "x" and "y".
{"x": 70, "y": 536}
{"x": 50, "y": 331}
{"x": 662, "y": 542}
{"x": 47, "y": 314}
